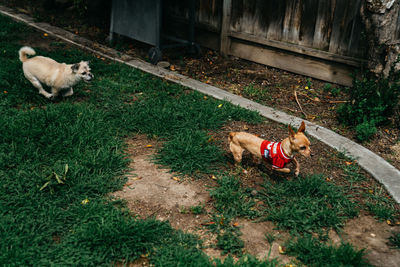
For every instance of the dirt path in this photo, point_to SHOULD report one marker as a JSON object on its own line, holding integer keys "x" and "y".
{"x": 155, "y": 192}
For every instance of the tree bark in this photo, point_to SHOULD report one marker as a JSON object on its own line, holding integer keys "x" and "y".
{"x": 380, "y": 18}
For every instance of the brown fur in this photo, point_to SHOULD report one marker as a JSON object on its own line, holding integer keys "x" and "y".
{"x": 295, "y": 143}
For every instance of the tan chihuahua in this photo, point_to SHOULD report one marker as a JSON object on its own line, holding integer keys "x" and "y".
{"x": 276, "y": 153}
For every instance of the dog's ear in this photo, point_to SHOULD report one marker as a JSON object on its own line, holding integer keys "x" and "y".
{"x": 291, "y": 133}
{"x": 75, "y": 67}
{"x": 302, "y": 127}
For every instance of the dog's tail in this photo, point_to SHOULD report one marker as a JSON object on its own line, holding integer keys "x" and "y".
{"x": 231, "y": 135}
{"x": 24, "y": 52}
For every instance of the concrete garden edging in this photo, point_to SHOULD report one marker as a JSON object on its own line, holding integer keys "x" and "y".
{"x": 380, "y": 169}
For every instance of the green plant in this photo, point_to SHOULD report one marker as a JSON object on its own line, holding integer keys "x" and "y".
{"x": 334, "y": 91}
{"x": 313, "y": 252}
{"x": 395, "y": 240}
{"x": 190, "y": 151}
{"x": 371, "y": 103}
{"x": 365, "y": 130}
{"x": 246, "y": 261}
{"x": 327, "y": 87}
{"x": 306, "y": 204}
{"x": 271, "y": 237}
{"x": 231, "y": 199}
{"x": 230, "y": 242}
{"x": 379, "y": 205}
{"x": 257, "y": 93}
{"x": 54, "y": 179}
{"x": 199, "y": 209}
{"x": 309, "y": 83}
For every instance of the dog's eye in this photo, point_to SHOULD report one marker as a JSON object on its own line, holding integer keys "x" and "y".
{"x": 302, "y": 147}
{"x": 84, "y": 73}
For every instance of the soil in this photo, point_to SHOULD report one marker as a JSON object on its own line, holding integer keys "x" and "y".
{"x": 152, "y": 191}
{"x": 267, "y": 85}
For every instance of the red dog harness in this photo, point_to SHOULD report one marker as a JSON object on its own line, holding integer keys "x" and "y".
{"x": 272, "y": 152}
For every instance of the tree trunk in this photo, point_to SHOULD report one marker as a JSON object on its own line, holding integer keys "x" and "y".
{"x": 380, "y": 18}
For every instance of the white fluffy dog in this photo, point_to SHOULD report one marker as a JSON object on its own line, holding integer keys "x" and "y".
{"x": 58, "y": 76}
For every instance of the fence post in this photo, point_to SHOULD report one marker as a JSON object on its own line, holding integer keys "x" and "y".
{"x": 225, "y": 27}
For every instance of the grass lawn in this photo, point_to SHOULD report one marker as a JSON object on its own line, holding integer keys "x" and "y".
{"x": 60, "y": 160}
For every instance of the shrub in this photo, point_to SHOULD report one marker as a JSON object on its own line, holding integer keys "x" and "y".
{"x": 371, "y": 103}
{"x": 365, "y": 130}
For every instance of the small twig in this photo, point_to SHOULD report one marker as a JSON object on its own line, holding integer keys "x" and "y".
{"x": 309, "y": 97}
{"x": 337, "y": 101}
{"x": 292, "y": 110}
{"x": 298, "y": 103}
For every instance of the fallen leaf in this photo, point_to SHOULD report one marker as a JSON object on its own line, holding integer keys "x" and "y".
{"x": 282, "y": 250}
{"x": 370, "y": 191}
{"x": 235, "y": 224}
{"x": 389, "y": 222}
{"x": 45, "y": 34}
{"x": 245, "y": 128}
{"x": 213, "y": 177}
{"x": 208, "y": 223}
{"x": 306, "y": 87}
{"x": 5, "y": 92}
{"x": 172, "y": 67}
{"x": 176, "y": 178}
{"x": 220, "y": 105}
{"x": 137, "y": 178}
{"x": 328, "y": 179}
{"x": 128, "y": 184}
{"x": 205, "y": 97}
{"x": 85, "y": 201}
{"x": 149, "y": 145}
{"x": 348, "y": 163}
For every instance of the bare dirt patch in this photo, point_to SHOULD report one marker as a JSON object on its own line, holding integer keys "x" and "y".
{"x": 366, "y": 232}
{"x": 167, "y": 199}
{"x": 152, "y": 191}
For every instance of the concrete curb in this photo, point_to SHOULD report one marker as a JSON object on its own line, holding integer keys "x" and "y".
{"x": 380, "y": 169}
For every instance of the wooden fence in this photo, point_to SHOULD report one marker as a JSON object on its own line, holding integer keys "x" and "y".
{"x": 317, "y": 38}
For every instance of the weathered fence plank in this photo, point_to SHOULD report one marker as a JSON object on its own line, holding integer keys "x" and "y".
{"x": 329, "y": 30}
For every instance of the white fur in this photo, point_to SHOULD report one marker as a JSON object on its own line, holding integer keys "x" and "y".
{"x": 58, "y": 76}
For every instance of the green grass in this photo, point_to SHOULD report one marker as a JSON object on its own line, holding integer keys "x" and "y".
{"x": 306, "y": 204}
{"x": 312, "y": 252}
{"x": 231, "y": 199}
{"x": 190, "y": 151}
{"x": 394, "y": 240}
{"x": 379, "y": 205}
{"x": 47, "y": 222}
{"x": 247, "y": 261}
{"x": 53, "y": 216}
